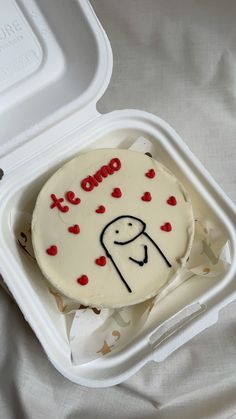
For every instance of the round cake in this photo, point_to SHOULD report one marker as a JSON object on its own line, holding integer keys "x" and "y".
{"x": 112, "y": 228}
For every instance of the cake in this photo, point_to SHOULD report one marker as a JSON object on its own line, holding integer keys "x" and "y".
{"x": 112, "y": 228}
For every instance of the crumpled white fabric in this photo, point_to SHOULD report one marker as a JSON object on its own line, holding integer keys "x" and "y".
{"x": 176, "y": 59}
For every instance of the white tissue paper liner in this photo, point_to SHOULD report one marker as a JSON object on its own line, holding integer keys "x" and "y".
{"x": 95, "y": 332}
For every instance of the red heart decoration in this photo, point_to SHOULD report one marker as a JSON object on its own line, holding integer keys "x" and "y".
{"x": 172, "y": 200}
{"x": 166, "y": 227}
{"x": 52, "y": 251}
{"x": 116, "y": 193}
{"x": 74, "y": 229}
{"x": 83, "y": 280}
{"x": 146, "y": 197}
{"x": 101, "y": 209}
{"x": 151, "y": 174}
{"x": 101, "y": 261}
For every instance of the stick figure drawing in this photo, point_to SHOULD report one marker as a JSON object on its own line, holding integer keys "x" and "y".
{"x": 127, "y": 235}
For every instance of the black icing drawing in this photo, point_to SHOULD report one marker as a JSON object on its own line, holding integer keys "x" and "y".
{"x": 119, "y": 236}
{"x": 145, "y": 259}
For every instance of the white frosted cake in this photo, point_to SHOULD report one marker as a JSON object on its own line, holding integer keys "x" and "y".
{"x": 112, "y": 228}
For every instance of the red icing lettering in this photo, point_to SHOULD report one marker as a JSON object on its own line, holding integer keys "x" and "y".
{"x": 115, "y": 164}
{"x": 70, "y": 196}
{"x": 52, "y": 251}
{"x": 90, "y": 182}
{"x": 83, "y": 280}
{"x": 106, "y": 170}
{"x": 166, "y": 227}
{"x": 146, "y": 197}
{"x": 95, "y": 182}
{"x": 172, "y": 201}
{"x": 101, "y": 261}
{"x": 98, "y": 176}
{"x": 57, "y": 203}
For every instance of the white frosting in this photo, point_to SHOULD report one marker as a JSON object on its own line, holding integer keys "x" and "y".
{"x": 137, "y": 251}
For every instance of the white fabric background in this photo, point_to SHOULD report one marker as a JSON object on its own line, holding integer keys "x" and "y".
{"x": 176, "y": 59}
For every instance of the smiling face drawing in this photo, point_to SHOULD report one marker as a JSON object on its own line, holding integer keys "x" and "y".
{"x": 122, "y": 230}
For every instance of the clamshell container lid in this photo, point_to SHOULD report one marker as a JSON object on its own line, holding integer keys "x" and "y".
{"x": 55, "y": 64}
{"x": 55, "y": 59}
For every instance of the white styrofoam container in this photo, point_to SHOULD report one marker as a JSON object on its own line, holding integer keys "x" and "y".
{"x": 55, "y": 64}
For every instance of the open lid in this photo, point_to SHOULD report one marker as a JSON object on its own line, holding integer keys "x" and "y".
{"x": 55, "y": 59}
